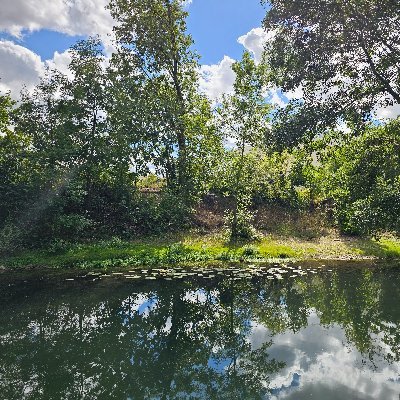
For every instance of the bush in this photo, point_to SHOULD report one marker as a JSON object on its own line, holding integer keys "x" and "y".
{"x": 362, "y": 177}
{"x": 11, "y": 239}
{"x": 71, "y": 226}
{"x": 373, "y": 215}
{"x": 244, "y": 229}
{"x": 159, "y": 213}
{"x": 250, "y": 251}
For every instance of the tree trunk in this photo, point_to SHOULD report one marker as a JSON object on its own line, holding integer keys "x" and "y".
{"x": 234, "y": 228}
{"x": 180, "y": 128}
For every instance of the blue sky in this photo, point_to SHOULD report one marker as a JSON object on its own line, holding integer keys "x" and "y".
{"x": 33, "y": 37}
{"x": 214, "y": 24}
{"x": 45, "y": 42}
{"x": 217, "y": 24}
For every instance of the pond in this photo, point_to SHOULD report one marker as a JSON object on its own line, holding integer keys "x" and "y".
{"x": 293, "y": 333}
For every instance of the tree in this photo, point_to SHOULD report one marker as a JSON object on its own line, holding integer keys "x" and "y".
{"x": 343, "y": 54}
{"x": 11, "y": 147}
{"x": 5, "y": 110}
{"x": 361, "y": 177}
{"x": 19, "y": 177}
{"x": 244, "y": 116}
{"x": 83, "y": 164}
{"x": 153, "y": 33}
{"x": 130, "y": 118}
{"x": 84, "y": 107}
{"x": 64, "y": 120}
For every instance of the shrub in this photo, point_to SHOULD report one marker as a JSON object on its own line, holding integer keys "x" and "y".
{"x": 250, "y": 251}
{"x": 244, "y": 229}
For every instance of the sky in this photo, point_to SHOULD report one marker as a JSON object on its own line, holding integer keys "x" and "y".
{"x": 215, "y": 26}
{"x": 35, "y": 34}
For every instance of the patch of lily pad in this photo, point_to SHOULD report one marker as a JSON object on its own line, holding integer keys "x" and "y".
{"x": 275, "y": 272}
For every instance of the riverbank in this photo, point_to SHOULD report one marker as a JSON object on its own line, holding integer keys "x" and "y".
{"x": 195, "y": 248}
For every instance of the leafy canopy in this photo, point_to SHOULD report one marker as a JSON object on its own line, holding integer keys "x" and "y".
{"x": 343, "y": 54}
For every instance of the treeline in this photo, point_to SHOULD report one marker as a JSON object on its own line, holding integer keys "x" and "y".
{"x": 76, "y": 152}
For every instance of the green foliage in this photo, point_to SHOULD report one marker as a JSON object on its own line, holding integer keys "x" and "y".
{"x": 250, "y": 251}
{"x": 162, "y": 250}
{"x": 273, "y": 178}
{"x": 176, "y": 116}
{"x": 71, "y": 225}
{"x": 243, "y": 117}
{"x": 5, "y": 113}
{"x": 342, "y": 54}
{"x": 10, "y": 238}
{"x": 242, "y": 219}
{"x": 128, "y": 146}
{"x": 158, "y": 213}
{"x": 361, "y": 176}
{"x": 116, "y": 253}
{"x": 151, "y": 182}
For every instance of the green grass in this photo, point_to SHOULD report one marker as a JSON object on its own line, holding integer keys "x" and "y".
{"x": 197, "y": 250}
{"x": 386, "y": 247}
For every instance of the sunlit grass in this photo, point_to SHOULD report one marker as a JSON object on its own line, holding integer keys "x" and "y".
{"x": 196, "y": 249}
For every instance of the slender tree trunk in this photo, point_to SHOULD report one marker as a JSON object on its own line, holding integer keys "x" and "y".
{"x": 89, "y": 164}
{"x": 234, "y": 229}
{"x": 180, "y": 128}
{"x": 180, "y": 132}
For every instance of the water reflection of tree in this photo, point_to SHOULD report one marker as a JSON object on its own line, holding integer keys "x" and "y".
{"x": 101, "y": 346}
{"x": 196, "y": 346}
{"x": 365, "y": 303}
{"x": 180, "y": 340}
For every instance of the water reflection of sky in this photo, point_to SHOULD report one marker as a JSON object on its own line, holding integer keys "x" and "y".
{"x": 320, "y": 364}
{"x": 319, "y": 361}
{"x": 141, "y": 305}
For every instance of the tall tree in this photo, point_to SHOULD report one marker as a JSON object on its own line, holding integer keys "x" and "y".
{"x": 11, "y": 147}
{"x": 19, "y": 176}
{"x": 65, "y": 117}
{"x": 129, "y": 114}
{"x": 153, "y": 32}
{"x": 84, "y": 109}
{"x": 343, "y": 54}
{"x": 66, "y": 122}
{"x": 244, "y": 117}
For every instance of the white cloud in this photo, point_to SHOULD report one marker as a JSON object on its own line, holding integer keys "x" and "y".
{"x": 217, "y": 79}
{"x": 254, "y": 41}
{"x": 18, "y": 67}
{"x": 60, "y": 62}
{"x": 295, "y": 94}
{"x": 320, "y": 360}
{"x": 274, "y": 96}
{"x": 22, "y": 68}
{"x": 387, "y": 113}
{"x": 73, "y": 17}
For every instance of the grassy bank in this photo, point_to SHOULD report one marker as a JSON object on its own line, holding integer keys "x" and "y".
{"x": 196, "y": 249}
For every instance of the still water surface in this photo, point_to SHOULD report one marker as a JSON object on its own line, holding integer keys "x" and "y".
{"x": 325, "y": 335}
